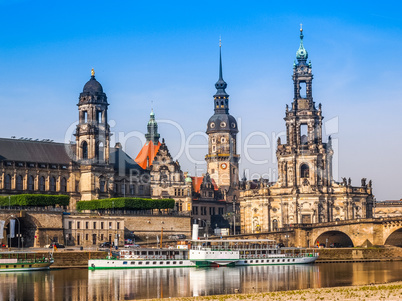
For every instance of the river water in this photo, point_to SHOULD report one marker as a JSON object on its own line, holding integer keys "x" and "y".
{"x": 82, "y": 284}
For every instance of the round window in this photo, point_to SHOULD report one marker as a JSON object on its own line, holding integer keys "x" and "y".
{"x": 223, "y": 124}
{"x": 233, "y": 125}
{"x": 212, "y": 125}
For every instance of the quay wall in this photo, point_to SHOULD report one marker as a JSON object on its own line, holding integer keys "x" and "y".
{"x": 151, "y": 226}
{"x": 359, "y": 254}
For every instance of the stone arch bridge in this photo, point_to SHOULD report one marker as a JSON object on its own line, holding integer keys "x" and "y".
{"x": 349, "y": 233}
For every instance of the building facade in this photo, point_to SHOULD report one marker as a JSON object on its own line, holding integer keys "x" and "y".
{"x": 87, "y": 169}
{"x": 305, "y": 191}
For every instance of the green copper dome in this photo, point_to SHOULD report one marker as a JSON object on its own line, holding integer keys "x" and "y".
{"x": 301, "y": 53}
{"x": 188, "y": 179}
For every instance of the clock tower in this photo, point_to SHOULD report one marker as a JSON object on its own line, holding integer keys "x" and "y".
{"x": 222, "y": 158}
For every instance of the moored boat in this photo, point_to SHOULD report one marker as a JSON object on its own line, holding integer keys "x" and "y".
{"x": 139, "y": 258}
{"x": 24, "y": 261}
{"x": 247, "y": 252}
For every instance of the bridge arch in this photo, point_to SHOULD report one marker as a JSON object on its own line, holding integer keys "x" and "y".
{"x": 395, "y": 238}
{"x": 333, "y": 238}
{"x": 28, "y": 226}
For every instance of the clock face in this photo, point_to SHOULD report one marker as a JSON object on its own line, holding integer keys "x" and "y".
{"x": 224, "y": 165}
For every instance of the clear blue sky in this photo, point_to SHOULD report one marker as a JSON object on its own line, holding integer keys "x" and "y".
{"x": 167, "y": 52}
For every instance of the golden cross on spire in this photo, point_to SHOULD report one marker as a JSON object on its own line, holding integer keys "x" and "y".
{"x": 301, "y": 26}
{"x": 92, "y": 72}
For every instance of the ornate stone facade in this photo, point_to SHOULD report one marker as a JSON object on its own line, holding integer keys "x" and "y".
{"x": 87, "y": 169}
{"x": 222, "y": 159}
{"x": 305, "y": 191}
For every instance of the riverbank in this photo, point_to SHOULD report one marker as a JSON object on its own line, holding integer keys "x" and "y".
{"x": 387, "y": 291}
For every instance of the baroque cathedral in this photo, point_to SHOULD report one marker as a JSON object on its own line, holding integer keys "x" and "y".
{"x": 305, "y": 191}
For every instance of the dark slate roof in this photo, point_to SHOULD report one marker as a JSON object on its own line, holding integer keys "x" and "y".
{"x": 121, "y": 161}
{"x": 93, "y": 86}
{"x": 229, "y": 122}
{"x": 34, "y": 151}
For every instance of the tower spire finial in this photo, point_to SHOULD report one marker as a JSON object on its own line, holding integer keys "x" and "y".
{"x": 92, "y": 72}
{"x": 220, "y": 59}
{"x": 301, "y": 53}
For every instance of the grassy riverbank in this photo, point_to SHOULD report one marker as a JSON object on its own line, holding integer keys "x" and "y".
{"x": 388, "y": 291}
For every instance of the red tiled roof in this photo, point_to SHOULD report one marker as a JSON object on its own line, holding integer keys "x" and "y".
{"x": 197, "y": 181}
{"x": 149, "y": 150}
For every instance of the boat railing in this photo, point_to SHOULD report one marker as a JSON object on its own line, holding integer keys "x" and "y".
{"x": 268, "y": 256}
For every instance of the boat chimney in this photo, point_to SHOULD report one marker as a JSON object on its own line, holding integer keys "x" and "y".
{"x": 195, "y": 232}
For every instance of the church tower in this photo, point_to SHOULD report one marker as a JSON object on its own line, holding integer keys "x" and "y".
{"x": 93, "y": 143}
{"x": 93, "y": 132}
{"x": 222, "y": 158}
{"x": 304, "y": 161}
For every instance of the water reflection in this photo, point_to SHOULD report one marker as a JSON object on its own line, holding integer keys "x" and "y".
{"x": 82, "y": 285}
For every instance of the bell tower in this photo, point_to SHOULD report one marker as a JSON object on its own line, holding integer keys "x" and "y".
{"x": 93, "y": 143}
{"x": 92, "y": 132}
{"x": 222, "y": 158}
{"x": 304, "y": 162}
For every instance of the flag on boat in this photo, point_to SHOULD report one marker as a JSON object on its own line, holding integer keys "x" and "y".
{"x": 2, "y": 229}
{"x": 12, "y": 228}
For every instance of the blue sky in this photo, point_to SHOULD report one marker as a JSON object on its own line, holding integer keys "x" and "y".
{"x": 168, "y": 53}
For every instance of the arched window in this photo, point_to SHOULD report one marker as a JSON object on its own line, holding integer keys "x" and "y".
{"x": 304, "y": 171}
{"x": 19, "y": 183}
{"x": 99, "y": 152}
{"x": 102, "y": 184}
{"x": 31, "y": 182}
{"x": 84, "y": 150}
{"x": 53, "y": 184}
{"x": 274, "y": 225}
{"x": 63, "y": 185}
{"x": 42, "y": 183}
{"x": 7, "y": 182}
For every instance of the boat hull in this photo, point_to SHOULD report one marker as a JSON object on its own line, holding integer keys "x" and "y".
{"x": 103, "y": 264}
{"x": 24, "y": 267}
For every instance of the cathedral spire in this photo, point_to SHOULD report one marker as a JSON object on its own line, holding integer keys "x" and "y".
{"x": 301, "y": 53}
{"x": 152, "y": 127}
{"x": 221, "y": 97}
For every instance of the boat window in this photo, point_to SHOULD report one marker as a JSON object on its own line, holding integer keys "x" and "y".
{"x": 251, "y": 261}
{"x": 161, "y": 262}
{"x": 124, "y": 262}
{"x": 30, "y": 265}
{"x": 180, "y": 262}
{"x": 23, "y": 266}
{"x": 132, "y": 262}
{"x": 140, "y": 262}
{"x": 288, "y": 260}
{"x": 174, "y": 262}
{"x": 256, "y": 261}
{"x": 167, "y": 262}
{"x": 154, "y": 262}
{"x": 283, "y": 260}
{"x": 15, "y": 266}
{"x": 147, "y": 262}
{"x": 278, "y": 260}
{"x": 293, "y": 259}
{"x": 6, "y": 266}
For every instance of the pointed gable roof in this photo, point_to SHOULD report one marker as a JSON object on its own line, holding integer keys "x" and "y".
{"x": 197, "y": 181}
{"x": 147, "y": 154}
